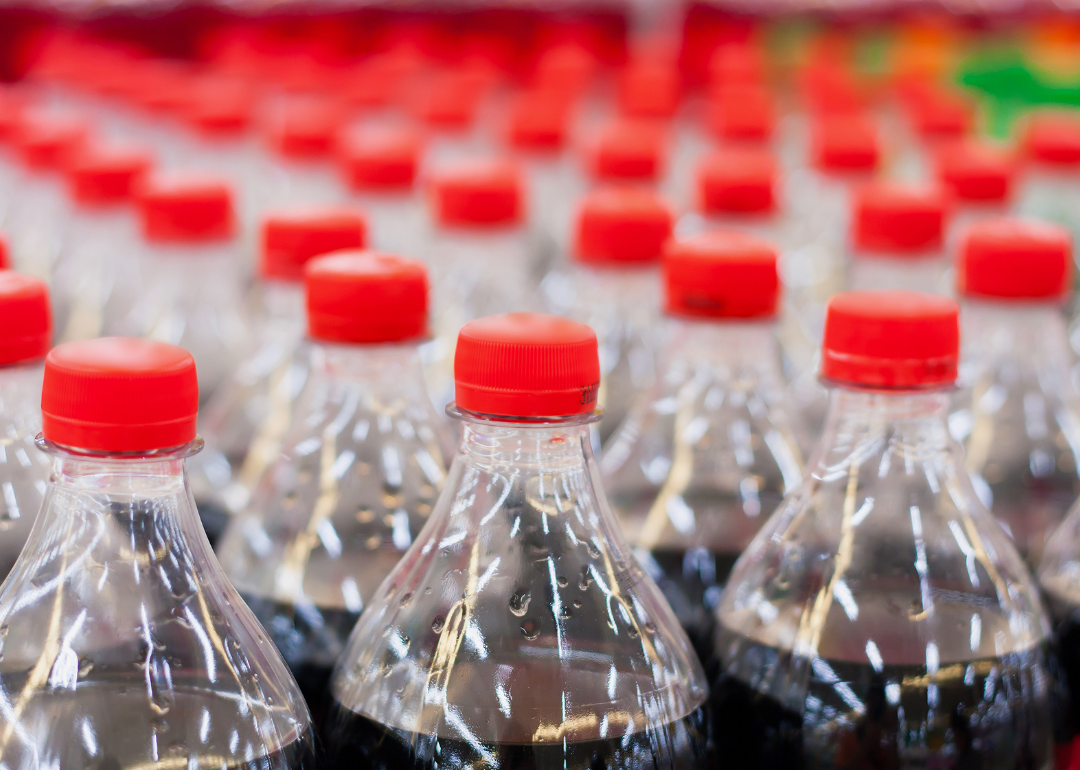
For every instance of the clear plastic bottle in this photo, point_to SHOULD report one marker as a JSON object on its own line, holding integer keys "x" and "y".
{"x": 736, "y": 190}
{"x": 193, "y": 290}
{"x": 481, "y": 256}
{"x": 381, "y": 166}
{"x": 97, "y": 275}
{"x": 613, "y": 285}
{"x": 742, "y": 114}
{"x": 981, "y": 179}
{"x": 882, "y": 617}
{"x": 898, "y": 239}
{"x": 1018, "y": 411}
{"x": 25, "y": 338}
{"x": 36, "y": 218}
{"x": 244, "y": 422}
{"x": 537, "y": 128}
{"x": 358, "y": 471}
{"x": 628, "y": 152}
{"x": 218, "y": 115}
{"x": 124, "y": 645}
{"x": 303, "y": 135}
{"x": 519, "y": 630}
{"x": 844, "y": 154}
{"x": 934, "y": 119}
{"x": 1049, "y": 186}
{"x": 711, "y": 449}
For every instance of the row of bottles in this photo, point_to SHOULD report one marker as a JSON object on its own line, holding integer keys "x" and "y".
{"x": 710, "y": 513}
{"x": 881, "y": 598}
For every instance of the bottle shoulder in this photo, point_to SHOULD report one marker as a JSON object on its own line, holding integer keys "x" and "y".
{"x": 517, "y": 599}
{"x": 118, "y": 594}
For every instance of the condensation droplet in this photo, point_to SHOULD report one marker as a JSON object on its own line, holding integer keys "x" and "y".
{"x": 565, "y": 612}
{"x": 586, "y": 578}
{"x": 406, "y": 599}
{"x": 530, "y": 628}
{"x": 562, "y": 581}
{"x": 519, "y": 603}
{"x": 438, "y": 624}
{"x": 577, "y": 604}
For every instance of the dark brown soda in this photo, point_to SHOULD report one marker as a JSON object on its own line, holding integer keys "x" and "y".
{"x": 982, "y": 713}
{"x": 692, "y": 582}
{"x": 309, "y": 639}
{"x": 354, "y": 741}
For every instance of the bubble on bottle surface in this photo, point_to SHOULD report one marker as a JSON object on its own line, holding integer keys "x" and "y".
{"x": 586, "y": 578}
{"x": 530, "y": 629}
{"x": 519, "y": 603}
{"x": 438, "y": 624}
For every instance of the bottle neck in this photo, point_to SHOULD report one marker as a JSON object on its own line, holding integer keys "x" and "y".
{"x": 732, "y": 345}
{"x": 493, "y": 445}
{"x": 390, "y": 362}
{"x": 281, "y": 300}
{"x": 20, "y": 390}
{"x": 131, "y": 475}
{"x": 916, "y": 271}
{"x": 861, "y": 416}
{"x": 1017, "y": 332}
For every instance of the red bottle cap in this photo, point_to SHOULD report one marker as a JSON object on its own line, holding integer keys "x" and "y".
{"x": 743, "y": 114}
{"x": 567, "y": 68}
{"x": 1015, "y": 259}
{"x": 538, "y": 122}
{"x": 629, "y": 150}
{"x": 47, "y": 141}
{"x": 1054, "y": 138}
{"x": 898, "y": 219}
{"x": 844, "y": 143}
{"x": 737, "y": 65}
{"x": 449, "y": 100}
{"x": 102, "y": 176}
{"x": 25, "y": 318}
{"x": 891, "y": 339}
{"x": 289, "y": 240}
{"x": 179, "y": 210}
{"x": 308, "y": 128}
{"x": 526, "y": 365}
{"x": 220, "y": 106}
{"x": 382, "y": 160}
{"x": 721, "y": 274}
{"x": 942, "y": 114}
{"x": 119, "y": 394}
{"x": 977, "y": 172}
{"x": 479, "y": 194}
{"x": 622, "y": 225}
{"x": 737, "y": 181}
{"x": 365, "y": 297}
{"x": 12, "y": 107}
{"x": 649, "y": 90}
